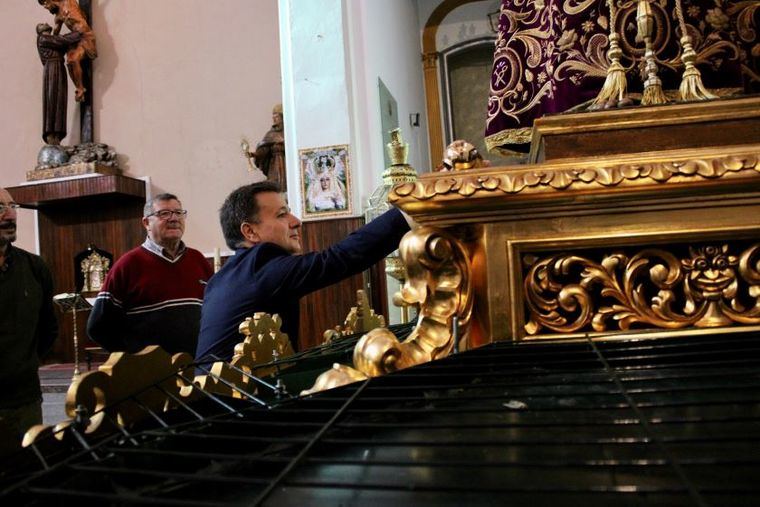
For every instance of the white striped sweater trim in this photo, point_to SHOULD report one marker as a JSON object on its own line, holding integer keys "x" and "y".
{"x": 107, "y": 296}
{"x": 165, "y": 304}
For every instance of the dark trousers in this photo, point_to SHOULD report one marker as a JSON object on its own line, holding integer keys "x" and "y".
{"x": 15, "y": 421}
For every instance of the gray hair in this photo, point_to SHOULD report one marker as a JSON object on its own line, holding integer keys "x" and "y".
{"x": 148, "y": 209}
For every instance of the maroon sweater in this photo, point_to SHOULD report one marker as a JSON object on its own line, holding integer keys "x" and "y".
{"x": 148, "y": 299}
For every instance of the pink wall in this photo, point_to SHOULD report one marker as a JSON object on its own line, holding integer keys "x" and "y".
{"x": 177, "y": 83}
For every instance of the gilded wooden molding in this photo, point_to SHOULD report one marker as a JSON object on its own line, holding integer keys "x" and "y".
{"x": 120, "y": 390}
{"x": 113, "y": 393}
{"x": 440, "y": 281}
{"x": 586, "y": 174}
{"x": 360, "y": 319}
{"x": 714, "y": 285}
{"x": 263, "y": 339}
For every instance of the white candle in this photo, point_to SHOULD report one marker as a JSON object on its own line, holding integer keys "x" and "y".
{"x": 217, "y": 259}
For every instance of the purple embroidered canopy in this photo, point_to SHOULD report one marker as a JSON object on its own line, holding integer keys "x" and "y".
{"x": 550, "y": 56}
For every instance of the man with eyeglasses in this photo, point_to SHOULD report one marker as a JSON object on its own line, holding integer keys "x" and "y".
{"x": 27, "y": 327}
{"x": 153, "y": 293}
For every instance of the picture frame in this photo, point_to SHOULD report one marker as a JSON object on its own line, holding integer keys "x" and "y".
{"x": 325, "y": 182}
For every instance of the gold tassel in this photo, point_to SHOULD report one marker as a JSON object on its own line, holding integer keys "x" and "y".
{"x": 653, "y": 94}
{"x": 615, "y": 84}
{"x": 691, "y": 84}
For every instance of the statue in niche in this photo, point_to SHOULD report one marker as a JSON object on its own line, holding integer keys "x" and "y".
{"x": 54, "y": 86}
{"x": 269, "y": 155}
{"x": 92, "y": 265}
{"x": 69, "y": 13}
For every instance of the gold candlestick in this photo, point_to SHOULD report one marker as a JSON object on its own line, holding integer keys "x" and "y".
{"x": 73, "y": 302}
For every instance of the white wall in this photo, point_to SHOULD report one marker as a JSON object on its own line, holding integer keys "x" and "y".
{"x": 315, "y": 84}
{"x": 385, "y": 44}
{"x": 177, "y": 83}
{"x": 464, "y": 23}
{"x": 333, "y": 53}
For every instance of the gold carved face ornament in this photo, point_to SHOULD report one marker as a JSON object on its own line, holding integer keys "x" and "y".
{"x": 711, "y": 272}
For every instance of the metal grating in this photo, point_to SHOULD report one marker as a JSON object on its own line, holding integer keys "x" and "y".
{"x": 630, "y": 423}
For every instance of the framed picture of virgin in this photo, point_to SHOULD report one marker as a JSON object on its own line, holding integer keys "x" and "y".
{"x": 325, "y": 181}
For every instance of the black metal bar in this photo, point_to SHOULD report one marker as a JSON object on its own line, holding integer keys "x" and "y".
{"x": 40, "y": 456}
{"x": 234, "y": 387}
{"x": 455, "y": 333}
{"x": 121, "y": 428}
{"x": 116, "y": 499}
{"x": 170, "y": 475}
{"x": 186, "y": 406}
{"x": 301, "y": 455}
{"x": 693, "y": 492}
{"x": 201, "y": 455}
{"x": 256, "y": 379}
{"x": 237, "y": 438}
{"x": 468, "y": 488}
{"x": 83, "y": 442}
{"x": 152, "y": 412}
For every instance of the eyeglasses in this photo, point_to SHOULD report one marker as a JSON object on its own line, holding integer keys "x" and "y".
{"x": 9, "y": 206}
{"x": 166, "y": 214}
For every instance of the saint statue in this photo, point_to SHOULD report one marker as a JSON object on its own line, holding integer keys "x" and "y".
{"x": 54, "y": 86}
{"x": 69, "y": 13}
{"x": 269, "y": 155}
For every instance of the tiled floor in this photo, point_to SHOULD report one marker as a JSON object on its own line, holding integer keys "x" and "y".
{"x": 55, "y": 380}
{"x": 53, "y": 410}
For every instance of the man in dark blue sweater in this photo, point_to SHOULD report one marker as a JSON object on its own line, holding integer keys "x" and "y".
{"x": 268, "y": 272}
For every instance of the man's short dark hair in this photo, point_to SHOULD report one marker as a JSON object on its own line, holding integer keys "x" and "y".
{"x": 148, "y": 208}
{"x": 241, "y": 206}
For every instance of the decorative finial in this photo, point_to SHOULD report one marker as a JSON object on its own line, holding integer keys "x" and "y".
{"x": 398, "y": 150}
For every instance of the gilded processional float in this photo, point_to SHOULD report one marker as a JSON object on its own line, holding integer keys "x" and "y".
{"x": 631, "y": 222}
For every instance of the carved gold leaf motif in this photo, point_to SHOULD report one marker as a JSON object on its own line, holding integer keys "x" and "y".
{"x": 709, "y": 287}
{"x": 553, "y": 179}
{"x": 439, "y": 280}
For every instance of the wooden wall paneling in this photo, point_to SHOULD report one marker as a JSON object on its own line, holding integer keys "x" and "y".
{"x": 328, "y": 307}
{"x": 65, "y": 229}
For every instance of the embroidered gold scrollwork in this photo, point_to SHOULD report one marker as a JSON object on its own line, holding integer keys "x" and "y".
{"x": 654, "y": 288}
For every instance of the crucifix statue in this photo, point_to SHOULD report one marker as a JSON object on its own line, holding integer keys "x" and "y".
{"x": 79, "y": 46}
{"x": 72, "y": 51}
